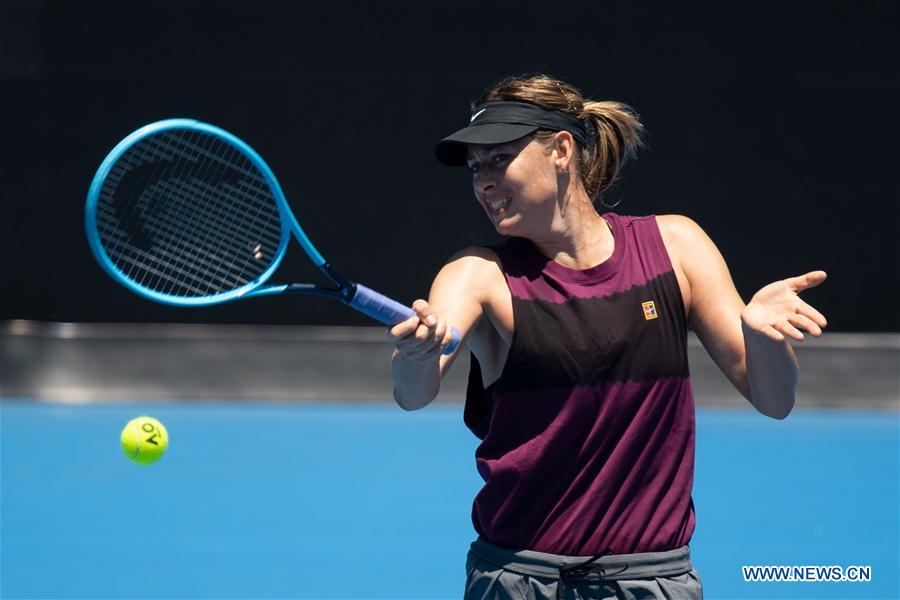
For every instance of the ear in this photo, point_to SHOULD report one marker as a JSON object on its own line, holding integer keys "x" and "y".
{"x": 563, "y": 150}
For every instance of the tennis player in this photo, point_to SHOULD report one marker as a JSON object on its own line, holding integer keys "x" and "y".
{"x": 577, "y": 325}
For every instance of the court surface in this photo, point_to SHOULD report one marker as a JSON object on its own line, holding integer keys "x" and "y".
{"x": 267, "y": 500}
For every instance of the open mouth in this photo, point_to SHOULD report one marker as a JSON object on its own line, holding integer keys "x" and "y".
{"x": 499, "y": 203}
{"x": 497, "y": 206}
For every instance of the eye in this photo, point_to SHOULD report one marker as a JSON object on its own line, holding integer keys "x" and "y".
{"x": 473, "y": 167}
{"x": 499, "y": 159}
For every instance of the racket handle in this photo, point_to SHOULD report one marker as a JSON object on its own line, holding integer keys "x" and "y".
{"x": 390, "y": 312}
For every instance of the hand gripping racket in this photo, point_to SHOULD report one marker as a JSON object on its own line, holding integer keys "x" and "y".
{"x": 184, "y": 213}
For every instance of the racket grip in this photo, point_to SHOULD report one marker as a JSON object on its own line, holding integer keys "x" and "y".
{"x": 390, "y": 312}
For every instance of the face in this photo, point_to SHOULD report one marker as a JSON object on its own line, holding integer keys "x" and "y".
{"x": 516, "y": 184}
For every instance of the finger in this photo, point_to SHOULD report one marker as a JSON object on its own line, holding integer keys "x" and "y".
{"x": 804, "y": 282}
{"x": 427, "y": 348}
{"x": 432, "y": 345}
{"x": 424, "y": 333}
{"x": 803, "y": 322}
{"x": 403, "y": 328}
{"x": 425, "y": 312}
{"x": 447, "y": 339}
{"x": 440, "y": 331}
{"x": 789, "y": 330}
{"x": 805, "y": 309}
{"x": 772, "y": 333}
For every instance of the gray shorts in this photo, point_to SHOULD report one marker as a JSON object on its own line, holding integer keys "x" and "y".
{"x": 496, "y": 573}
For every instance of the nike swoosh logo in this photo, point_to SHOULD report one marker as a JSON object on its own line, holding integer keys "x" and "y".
{"x": 475, "y": 116}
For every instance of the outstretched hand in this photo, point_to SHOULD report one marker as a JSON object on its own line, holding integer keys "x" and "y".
{"x": 777, "y": 310}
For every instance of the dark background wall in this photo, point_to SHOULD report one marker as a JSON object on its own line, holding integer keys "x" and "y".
{"x": 773, "y": 124}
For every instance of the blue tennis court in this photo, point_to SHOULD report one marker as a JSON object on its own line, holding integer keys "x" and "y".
{"x": 267, "y": 500}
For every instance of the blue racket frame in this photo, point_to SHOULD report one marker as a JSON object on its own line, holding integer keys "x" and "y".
{"x": 358, "y": 296}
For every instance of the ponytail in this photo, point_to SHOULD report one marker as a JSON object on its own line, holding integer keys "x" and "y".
{"x": 618, "y": 136}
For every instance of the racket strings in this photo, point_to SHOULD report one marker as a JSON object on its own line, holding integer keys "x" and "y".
{"x": 169, "y": 254}
{"x": 173, "y": 249}
{"x": 126, "y": 208}
{"x": 187, "y": 214}
{"x": 202, "y": 234}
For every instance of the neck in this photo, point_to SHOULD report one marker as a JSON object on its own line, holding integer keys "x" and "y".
{"x": 579, "y": 238}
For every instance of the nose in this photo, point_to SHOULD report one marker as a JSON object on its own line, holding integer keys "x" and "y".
{"x": 483, "y": 181}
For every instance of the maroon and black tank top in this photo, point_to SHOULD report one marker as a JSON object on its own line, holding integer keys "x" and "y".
{"x": 588, "y": 434}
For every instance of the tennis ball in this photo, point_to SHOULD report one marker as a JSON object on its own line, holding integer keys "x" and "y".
{"x": 144, "y": 440}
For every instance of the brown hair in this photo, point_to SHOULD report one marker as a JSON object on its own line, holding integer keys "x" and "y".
{"x": 619, "y": 131}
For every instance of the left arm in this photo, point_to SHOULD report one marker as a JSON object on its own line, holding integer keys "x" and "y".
{"x": 748, "y": 342}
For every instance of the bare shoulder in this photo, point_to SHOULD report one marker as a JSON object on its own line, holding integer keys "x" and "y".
{"x": 679, "y": 229}
{"x": 476, "y": 255}
{"x": 685, "y": 240}
{"x": 694, "y": 256}
{"x": 481, "y": 306}
{"x": 472, "y": 275}
{"x": 474, "y": 265}
{"x": 471, "y": 292}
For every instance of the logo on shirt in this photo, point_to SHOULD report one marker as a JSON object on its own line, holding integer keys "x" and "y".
{"x": 649, "y": 310}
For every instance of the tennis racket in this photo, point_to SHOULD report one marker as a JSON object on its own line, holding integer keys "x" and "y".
{"x": 184, "y": 213}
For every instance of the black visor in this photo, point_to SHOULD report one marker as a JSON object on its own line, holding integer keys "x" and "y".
{"x": 502, "y": 122}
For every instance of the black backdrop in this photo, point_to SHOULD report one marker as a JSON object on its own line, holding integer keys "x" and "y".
{"x": 773, "y": 124}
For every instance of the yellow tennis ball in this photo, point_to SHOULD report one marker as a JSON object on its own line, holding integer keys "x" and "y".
{"x": 144, "y": 440}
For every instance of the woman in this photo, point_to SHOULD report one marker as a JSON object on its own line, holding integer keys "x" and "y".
{"x": 577, "y": 326}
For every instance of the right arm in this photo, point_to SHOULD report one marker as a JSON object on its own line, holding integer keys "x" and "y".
{"x": 458, "y": 297}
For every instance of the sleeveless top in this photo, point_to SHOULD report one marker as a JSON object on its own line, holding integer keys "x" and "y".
{"x": 588, "y": 434}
